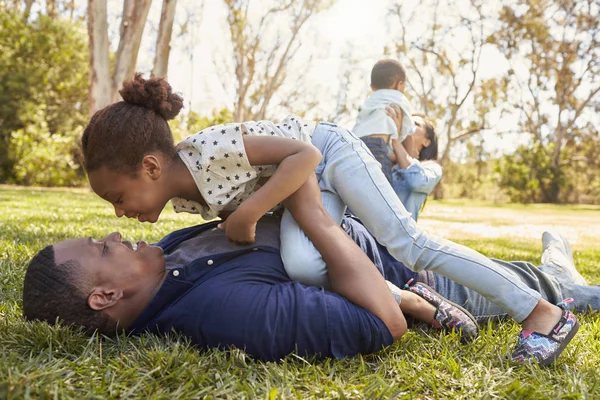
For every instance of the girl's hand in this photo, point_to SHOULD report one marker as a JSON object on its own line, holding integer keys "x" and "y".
{"x": 239, "y": 228}
{"x": 396, "y": 114}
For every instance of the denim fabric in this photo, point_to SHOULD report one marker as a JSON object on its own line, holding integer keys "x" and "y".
{"x": 415, "y": 183}
{"x": 553, "y": 287}
{"x": 349, "y": 175}
{"x": 379, "y": 149}
{"x": 585, "y": 298}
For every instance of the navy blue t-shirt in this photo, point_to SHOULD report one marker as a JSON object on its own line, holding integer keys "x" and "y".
{"x": 245, "y": 299}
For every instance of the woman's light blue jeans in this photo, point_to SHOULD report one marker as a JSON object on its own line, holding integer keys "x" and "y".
{"x": 348, "y": 175}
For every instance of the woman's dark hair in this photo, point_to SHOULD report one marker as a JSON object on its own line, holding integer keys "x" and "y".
{"x": 387, "y": 73}
{"x": 121, "y": 134}
{"x": 430, "y": 152}
{"x": 54, "y": 292}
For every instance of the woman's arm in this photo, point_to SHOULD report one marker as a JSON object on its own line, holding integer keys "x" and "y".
{"x": 422, "y": 177}
{"x": 295, "y": 160}
{"x": 403, "y": 159}
{"x": 402, "y": 150}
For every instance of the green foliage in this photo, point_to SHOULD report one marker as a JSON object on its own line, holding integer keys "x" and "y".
{"x": 528, "y": 175}
{"x": 43, "y": 159}
{"x": 581, "y": 167}
{"x": 476, "y": 180}
{"x": 554, "y": 53}
{"x": 39, "y": 361}
{"x": 43, "y": 65}
{"x": 186, "y": 125}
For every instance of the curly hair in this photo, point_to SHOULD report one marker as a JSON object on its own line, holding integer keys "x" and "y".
{"x": 56, "y": 292}
{"x": 387, "y": 73}
{"x": 121, "y": 134}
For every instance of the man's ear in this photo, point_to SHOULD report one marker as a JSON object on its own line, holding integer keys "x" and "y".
{"x": 102, "y": 298}
{"x": 152, "y": 166}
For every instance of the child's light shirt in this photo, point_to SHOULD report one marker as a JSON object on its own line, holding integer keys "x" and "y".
{"x": 217, "y": 159}
{"x": 372, "y": 118}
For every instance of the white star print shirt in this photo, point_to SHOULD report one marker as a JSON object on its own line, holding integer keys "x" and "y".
{"x": 217, "y": 160}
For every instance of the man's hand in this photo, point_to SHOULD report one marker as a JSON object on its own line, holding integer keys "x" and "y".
{"x": 239, "y": 228}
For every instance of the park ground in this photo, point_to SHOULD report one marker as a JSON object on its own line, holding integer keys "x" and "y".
{"x": 39, "y": 361}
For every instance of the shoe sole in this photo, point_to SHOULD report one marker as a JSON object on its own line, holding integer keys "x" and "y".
{"x": 564, "y": 241}
{"x": 575, "y": 274}
{"x": 467, "y": 313}
{"x": 567, "y": 246}
{"x": 562, "y": 346}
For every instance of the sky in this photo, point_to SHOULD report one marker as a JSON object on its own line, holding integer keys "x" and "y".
{"x": 347, "y": 22}
{"x": 360, "y": 28}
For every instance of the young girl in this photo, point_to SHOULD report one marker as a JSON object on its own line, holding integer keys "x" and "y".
{"x": 242, "y": 170}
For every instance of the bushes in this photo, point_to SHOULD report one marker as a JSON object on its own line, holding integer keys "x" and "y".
{"x": 45, "y": 159}
{"x": 43, "y": 94}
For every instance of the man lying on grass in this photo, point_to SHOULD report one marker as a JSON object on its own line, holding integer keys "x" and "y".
{"x": 220, "y": 295}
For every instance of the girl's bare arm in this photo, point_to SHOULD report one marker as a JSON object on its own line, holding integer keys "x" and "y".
{"x": 295, "y": 160}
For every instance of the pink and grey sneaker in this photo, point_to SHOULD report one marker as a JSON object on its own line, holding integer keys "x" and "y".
{"x": 546, "y": 348}
{"x": 448, "y": 315}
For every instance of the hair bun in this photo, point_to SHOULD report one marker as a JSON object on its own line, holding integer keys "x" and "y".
{"x": 155, "y": 94}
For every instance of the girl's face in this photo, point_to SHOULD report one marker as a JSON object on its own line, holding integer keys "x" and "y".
{"x": 142, "y": 197}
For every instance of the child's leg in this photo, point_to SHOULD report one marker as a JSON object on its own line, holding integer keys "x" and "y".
{"x": 304, "y": 263}
{"x": 351, "y": 273}
{"x": 349, "y": 170}
{"x": 379, "y": 149}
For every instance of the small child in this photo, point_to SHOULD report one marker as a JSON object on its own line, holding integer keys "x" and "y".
{"x": 373, "y": 126}
{"x": 239, "y": 171}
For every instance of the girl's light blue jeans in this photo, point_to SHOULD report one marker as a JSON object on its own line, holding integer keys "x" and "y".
{"x": 350, "y": 176}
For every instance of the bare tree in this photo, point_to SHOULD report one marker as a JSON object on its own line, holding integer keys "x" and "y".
{"x": 135, "y": 13}
{"x": 163, "y": 40}
{"x": 27, "y": 11}
{"x": 553, "y": 48}
{"x": 444, "y": 71}
{"x": 260, "y": 65}
{"x": 104, "y": 88}
{"x": 51, "y": 10}
{"x": 100, "y": 88}
{"x": 444, "y": 77}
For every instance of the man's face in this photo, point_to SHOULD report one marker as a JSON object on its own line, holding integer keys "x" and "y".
{"x": 110, "y": 261}
{"x": 141, "y": 197}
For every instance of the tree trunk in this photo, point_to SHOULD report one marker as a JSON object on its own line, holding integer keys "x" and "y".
{"x": 135, "y": 13}
{"x": 163, "y": 41}
{"x": 51, "y": 8}
{"x": 100, "y": 83}
{"x": 71, "y": 9}
{"x": 28, "y": 5}
{"x": 438, "y": 191}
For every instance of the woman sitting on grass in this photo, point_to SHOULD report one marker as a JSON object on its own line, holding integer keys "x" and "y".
{"x": 414, "y": 176}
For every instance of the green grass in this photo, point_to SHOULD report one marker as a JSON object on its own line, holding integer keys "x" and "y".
{"x": 55, "y": 362}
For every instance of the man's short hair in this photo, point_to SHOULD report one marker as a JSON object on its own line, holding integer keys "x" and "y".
{"x": 53, "y": 292}
{"x": 386, "y": 74}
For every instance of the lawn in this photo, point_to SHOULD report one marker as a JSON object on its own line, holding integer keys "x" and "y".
{"x": 55, "y": 362}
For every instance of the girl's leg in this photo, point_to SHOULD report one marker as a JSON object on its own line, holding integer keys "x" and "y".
{"x": 351, "y": 273}
{"x": 349, "y": 170}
